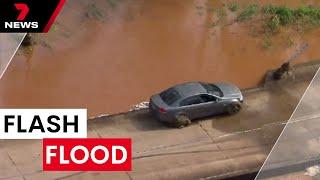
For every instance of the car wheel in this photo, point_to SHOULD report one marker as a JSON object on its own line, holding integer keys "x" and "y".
{"x": 182, "y": 121}
{"x": 234, "y": 108}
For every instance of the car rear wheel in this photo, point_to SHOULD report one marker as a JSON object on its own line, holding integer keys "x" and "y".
{"x": 182, "y": 121}
{"x": 234, "y": 108}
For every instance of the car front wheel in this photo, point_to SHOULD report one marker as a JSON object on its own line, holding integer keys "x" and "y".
{"x": 234, "y": 108}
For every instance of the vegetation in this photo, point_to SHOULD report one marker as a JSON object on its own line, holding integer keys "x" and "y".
{"x": 233, "y": 7}
{"x": 274, "y": 17}
{"x": 277, "y": 16}
{"x": 303, "y": 17}
{"x": 248, "y": 12}
{"x": 267, "y": 20}
{"x": 266, "y": 43}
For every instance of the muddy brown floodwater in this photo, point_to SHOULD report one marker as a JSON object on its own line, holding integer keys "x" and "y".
{"x": 109, "y": 55}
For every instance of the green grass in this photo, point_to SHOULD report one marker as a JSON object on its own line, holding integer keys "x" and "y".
{"x": 273, "y": 23}
{"x": 266, "y": 43}
{"x": 233, "y": 6}
{"x": 248, "y": 12}
{"x": 284, "y": 16}
{"x": 276, "y": 16}
{"x": 270, "y": 19}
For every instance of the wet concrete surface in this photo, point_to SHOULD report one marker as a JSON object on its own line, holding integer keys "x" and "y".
{"x": 216, "y": 147}
{"x": 298, "y": 145}
{"x": 295, "y": 175}
{"x": 9, "y": 43}
{"x": 109, "y": 57}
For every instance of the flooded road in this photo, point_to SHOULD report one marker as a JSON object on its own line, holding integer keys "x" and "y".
{"x": 109, "y": 55}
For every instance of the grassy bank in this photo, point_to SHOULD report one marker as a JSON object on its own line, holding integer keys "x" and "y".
{"x": 273, "y": 17}
{"x": 301, "y": 18}
{"x": 269, "y": 20}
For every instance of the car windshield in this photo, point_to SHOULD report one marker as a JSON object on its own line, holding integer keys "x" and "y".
{"x": 212, "y": 89}
{"x": 170, "y": 96}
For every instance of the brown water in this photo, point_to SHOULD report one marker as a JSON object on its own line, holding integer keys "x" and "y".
{"x": 133, "y": 49}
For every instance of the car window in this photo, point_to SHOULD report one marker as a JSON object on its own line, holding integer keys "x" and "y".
{"x": 191, "y": 100}
{"x": 212, "y": 89}
{"x": 208, "y": 98}
{"x": 170, "y": 96}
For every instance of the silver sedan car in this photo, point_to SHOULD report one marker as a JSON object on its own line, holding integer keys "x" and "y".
{"x": 180, "y": 104}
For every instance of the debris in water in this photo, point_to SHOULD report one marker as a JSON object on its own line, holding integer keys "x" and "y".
{"x": 285, "y": 68}
{"x": 312, "y": 171}
{"x": 99, "y": 116}
{"x": 142, "y": 105}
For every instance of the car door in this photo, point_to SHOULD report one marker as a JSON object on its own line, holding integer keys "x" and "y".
{"x": 211, "y": 105}
{"x": 190, "y": 106}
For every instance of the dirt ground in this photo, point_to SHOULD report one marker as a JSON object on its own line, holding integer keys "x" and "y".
{"x": 110, "y": 55}
{"x": 212, "y": 148}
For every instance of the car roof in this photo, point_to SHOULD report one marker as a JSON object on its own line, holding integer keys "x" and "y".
{"x": 189, "y": 89}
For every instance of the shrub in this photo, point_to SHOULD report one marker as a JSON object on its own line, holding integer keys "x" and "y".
{"x": 233, "y": 6}
{"x": 248, "y": 12}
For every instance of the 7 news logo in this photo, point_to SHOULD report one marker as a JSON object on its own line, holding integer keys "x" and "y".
{"x": 28, "y": 15}
{"x": 23, "y": 10}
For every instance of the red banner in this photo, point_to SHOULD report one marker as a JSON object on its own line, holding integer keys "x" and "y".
{"x": 87, "y": 154}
